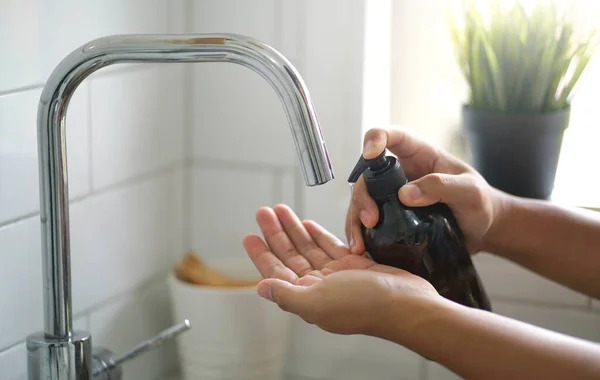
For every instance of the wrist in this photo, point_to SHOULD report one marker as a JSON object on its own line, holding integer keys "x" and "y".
{"x": 503, "y": 208}
{"x": 431, "y": 326}
{"x": 407, "y": 315}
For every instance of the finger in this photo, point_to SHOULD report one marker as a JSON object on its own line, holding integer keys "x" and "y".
{"x": 416, "y": 156}
{"x": 451, "y": 189}
{"x": 295, "y": 299}
{"x": 374, "y": 142}
{"x": 347, "y": 225}
{"x": 363, "y": 211}
{"x": 279, "y": 242}
{"x": 353, "y": 233}
{"x": 398, "y": 140}
{"x": 364, "y": 207}
{"x": 327, "y": 241}
{"x": 301, "y": 239}
{"x": 265, "y": 261}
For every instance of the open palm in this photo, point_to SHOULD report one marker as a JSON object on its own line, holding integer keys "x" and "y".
{"x": 301, "y": 253}
{"x": 311, "y": 273}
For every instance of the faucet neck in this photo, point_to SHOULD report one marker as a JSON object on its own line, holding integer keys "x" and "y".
{"x": 54, "y": 212}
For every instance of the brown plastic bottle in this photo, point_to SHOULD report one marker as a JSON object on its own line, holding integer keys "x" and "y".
{"x": 425, "y": 241}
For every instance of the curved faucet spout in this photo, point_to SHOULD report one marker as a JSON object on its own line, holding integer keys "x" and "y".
{"x": 261, "y": 58}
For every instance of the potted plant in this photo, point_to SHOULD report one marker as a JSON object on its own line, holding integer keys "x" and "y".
{"x": 521, "y": 65}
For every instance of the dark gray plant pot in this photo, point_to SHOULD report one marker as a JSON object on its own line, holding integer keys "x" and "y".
{"x": 516, "y": 153}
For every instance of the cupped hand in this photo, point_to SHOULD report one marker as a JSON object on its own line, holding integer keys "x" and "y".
{"x": 435, "y": 176}
{"x": 311, "y": 273}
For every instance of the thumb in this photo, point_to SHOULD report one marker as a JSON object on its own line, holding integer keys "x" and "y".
{"x": 293, "y": 298}
{"x": 437, "y": 187}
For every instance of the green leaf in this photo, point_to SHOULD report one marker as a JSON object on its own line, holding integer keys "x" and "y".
{"x": 493, "y": 77}
{"x": 519, "y": 61}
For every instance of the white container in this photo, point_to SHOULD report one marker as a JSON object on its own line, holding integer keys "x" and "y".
{"x": 235, "y": 334}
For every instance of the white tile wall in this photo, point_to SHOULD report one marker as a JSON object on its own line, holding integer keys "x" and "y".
{"x": 35, "y": 35}
{"x": 123, "y": 237}
{"x": 239, "y": 117}
{"x": 19, "y": 193}
{"x": 125, "y": 154}
{"x": 256, "y": 18}
{"x": 13, "y": 363}
{"x": 240, "y": 113}
{"x": 134, "y": 134}
{"x": 21, "y": 253}
{"x": 13, "y": 360}
{"x": 290, "y": 183}
{"x": 131, "y": 319}
{"x": 334, "y": 75}
{"x": 22, "y": 266}
{"x": 224, "y": 204}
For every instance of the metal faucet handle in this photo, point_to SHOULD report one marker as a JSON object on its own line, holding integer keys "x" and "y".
{"x": 107, "y": 366}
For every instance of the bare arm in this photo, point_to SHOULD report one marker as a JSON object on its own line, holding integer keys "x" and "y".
{"x": 477, "y": 344}
{"x": 312, "y": 274}
{"x": 556, "y": 242}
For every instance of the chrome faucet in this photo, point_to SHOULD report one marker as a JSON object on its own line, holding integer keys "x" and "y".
{"x": 59, "y": 352}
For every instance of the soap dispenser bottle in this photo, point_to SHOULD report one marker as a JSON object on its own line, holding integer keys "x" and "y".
{"x": 425, "y": 241}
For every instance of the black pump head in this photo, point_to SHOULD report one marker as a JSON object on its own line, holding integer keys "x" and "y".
{"x": 383, "y": 175}
{"x": 374, "y": 164}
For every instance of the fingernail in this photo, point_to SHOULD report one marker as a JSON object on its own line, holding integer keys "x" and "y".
{"x": 265, "y": 292}
{"x": 364, "y": 216}
{"x": 368, "y": 149}
{"x": 411, "y": 191}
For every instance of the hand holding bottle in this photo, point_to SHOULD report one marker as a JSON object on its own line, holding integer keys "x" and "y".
{"x": 435, "y": 176}
{"x": 311, "y": 273}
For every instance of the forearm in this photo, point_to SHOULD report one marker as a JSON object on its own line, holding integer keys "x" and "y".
{"x": 558, "y": 243}
{"x": 476, "y": 344}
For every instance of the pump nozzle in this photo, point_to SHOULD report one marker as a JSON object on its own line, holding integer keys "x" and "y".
{"x": 375, "y": 164}
{"x": 383, "y": 175}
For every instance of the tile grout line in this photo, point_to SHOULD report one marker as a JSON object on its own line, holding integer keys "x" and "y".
{"x": 11, "y": 346}
{"x": 299, "y": 190}
{"x": 100, "y": 73}
{"x": 134, "y": 180}
{"x": 298, "y": 180}
{"x": 131, "y": 181}
{"x": 277, "y": 186}
{"x": 142, "y": 286}
{"x": 424, "y": 369}
{"x": 88, "y": 321}
{"x": 90, "y": 140}
{"x": 301, "y": 31}
{"x": 278, "y": 25}
{"x": 188, "y": 132}
{"x": 16, "y": 90}
{"x": 19, "y": 218}
{"x": 188, "y": 20}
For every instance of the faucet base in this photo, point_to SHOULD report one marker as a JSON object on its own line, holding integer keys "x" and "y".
{"x": 50, "y": 358}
